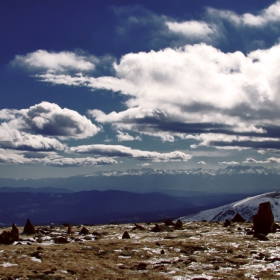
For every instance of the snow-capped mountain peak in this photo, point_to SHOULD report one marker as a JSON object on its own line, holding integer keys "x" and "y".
{"x": 247, "y": 208}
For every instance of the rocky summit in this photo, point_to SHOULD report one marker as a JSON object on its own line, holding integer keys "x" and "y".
{"x": 196, "y": 250}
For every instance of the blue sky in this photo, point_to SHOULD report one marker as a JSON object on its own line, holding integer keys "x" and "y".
{"x": 100, "y": 85}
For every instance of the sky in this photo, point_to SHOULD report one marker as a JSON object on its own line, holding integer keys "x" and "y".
{"x": 114, "y": 85}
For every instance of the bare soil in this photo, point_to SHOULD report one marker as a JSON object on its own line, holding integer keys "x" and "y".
{"x": 199, "y": 250}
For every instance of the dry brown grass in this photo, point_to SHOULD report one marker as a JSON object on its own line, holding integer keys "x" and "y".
{"x": 198, "y": 249}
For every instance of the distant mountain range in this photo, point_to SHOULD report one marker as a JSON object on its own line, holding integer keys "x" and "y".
{"x": 192, "y": 182}
{"x": 247, "y": 208}
{"x": 90, "y": 207}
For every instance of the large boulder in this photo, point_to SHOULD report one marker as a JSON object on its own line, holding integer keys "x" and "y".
{"x": 263, "y": 221}
{"x": 29, "y": 228}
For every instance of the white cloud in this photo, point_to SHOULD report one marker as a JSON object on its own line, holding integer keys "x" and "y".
{"x": 123, "y": 151}
{"x": 268, "y": 160}
{"x": 192, "y": 28}
{"x": 223, "y": 141}
{"x": 229, "y": 163}
{"x": 49, "y": 119}
{"x": 88, "y": 161}
{"x": 56, "y": 62}
{"x": 264, "y": 17}
{"x": 202, "y": 162}
{"x": 14, "y": 139}
{"x": 123, "y": 136}
{"x": 8, "y": 156}
{"x": 12, "y": 157}
{"x": 145, "y": 164}
{"x": 196, "y": 85}
{"x": 190, "y": 91}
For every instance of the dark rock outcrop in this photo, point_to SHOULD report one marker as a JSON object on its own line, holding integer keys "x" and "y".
{"x": 157, "y": 228}
{"x": 227, "y": 223}
{"x": 29, "y": 228}
{"x": 125, "y": 235}
{"x": 139, "y": 227}
{"x": 9, "y": 237}
{"x": 61, "y": 240}
{"x": 84, "y": 231}
{"x": 179, "y": 224}
{"x": 69, "y": 229}
{"x": 263, "y": 221}
{"x": 169, "y": 222}
{"x": 238, "y": 219}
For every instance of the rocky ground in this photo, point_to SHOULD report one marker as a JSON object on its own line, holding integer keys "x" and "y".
{"x": 197, "y": 250}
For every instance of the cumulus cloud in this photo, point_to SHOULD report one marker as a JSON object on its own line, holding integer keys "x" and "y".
{"x": 8, "y": 156}
{"x": 127, "y": 152}
{"x": 202, "y": 162}
{"x": 48, "y": 119}
{"x": 160, "y": 30}
{"x": 223, "y": 141}
{"x": 123, "y": 136}
{"x": 56, "y": 61}
{"x": 198, "y": 29}
{"x": 12, "y": 157}
{"x": 71, "y": 162}
{"x": 198, "y": 88}
{"x": 229, "y": 163}
{"x": 14, "y": 139}
{"x": 145, "y": 164}
{"x": 238, "y": 94}
{"x": 268, "y": 160}
{"x": 195, "y": 92}
{"x": 264, "y": 17}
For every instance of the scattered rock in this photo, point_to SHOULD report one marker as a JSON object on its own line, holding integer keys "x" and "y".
{"x": 29, "y": 228}
{"x": 162, "y": 251}
{"x": 141, "y": 266}
{"x": 179, "y": 224}
{"x": 139, "y": 227}
{"x": 238, "y": 219}
{"x": 263, "y": 221}
{"x": 261, "y": 237}
{"x": 169, "y": 222}
{"x": 157, "y": 228}
{"x": 125, "y": 235}
{"x": 71, "y": 271}
{"x": 88, "y": 238}
{"x": 36, "y": 254}
{"x": 61, "y": 240}
{"x": 84, "y": 231}
{"x": 227, "y": 223}
{"x": 69, "y": 229}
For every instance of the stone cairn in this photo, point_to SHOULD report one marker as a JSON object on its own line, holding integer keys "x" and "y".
{"x": 29, "y": 228}
{"x": 9, "y": 237}
{"x": 263, "y": 221}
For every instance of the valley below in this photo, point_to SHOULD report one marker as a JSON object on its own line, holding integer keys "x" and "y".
{"x": 197, "y": 250}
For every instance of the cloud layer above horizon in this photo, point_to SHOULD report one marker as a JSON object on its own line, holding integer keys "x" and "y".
{"x": 188, "y": 89}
